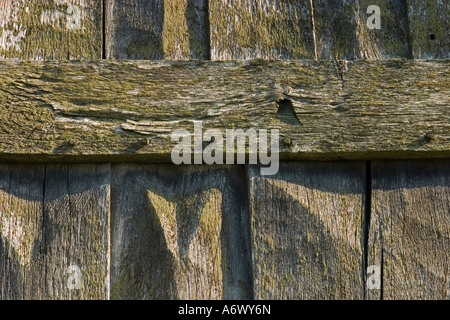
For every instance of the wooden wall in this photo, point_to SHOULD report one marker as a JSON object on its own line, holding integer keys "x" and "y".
{"x": 159, "y": 231}
{"x": 222, "y": 29}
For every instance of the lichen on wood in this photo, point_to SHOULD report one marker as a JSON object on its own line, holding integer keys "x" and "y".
{"x": 179, "y": 233}
{"x": 85, "y": 111}
{"x": 261, "y": 29}
{"x": 306, "y": 227}
{"x": 162, "y": 29}
{"x": 53, "y": 217}
{"x": 409, "y": 235}
{"x": 429, "y": 29}
{"x": 51, "y": 29}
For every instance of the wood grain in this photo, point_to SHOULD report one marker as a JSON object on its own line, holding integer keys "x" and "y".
{"x": 22, "y": 269}
{"x": 341, "y": 30}
{"x": 77, "y": 229}
{"x": 52, "y": 217}
{"x": 249, "y": 29}
{"x": 161, "y": 29}
{"x": 307, "y": 231}
{"x": 409, "y": 236}
{"x": 105, "y": 111}
{"x": 429, "y": 29}
{"x": 179, "y": 233}
{"x": 51, "y": 29}
{"x": 223, "y": 29}
{"x": 133, "y": 29}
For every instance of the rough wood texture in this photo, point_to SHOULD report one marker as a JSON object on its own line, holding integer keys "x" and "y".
{"x": 252, "y": 29}
{"x": 51, "y": 29}
{"x": 223, "y": 29}
{"x": 52, "y": 217}
{"x": 161, "y": 29}
{"x": 409, "y": 236}
{"x": 179, "y": 233}
{"x": 134, "y": 29}
{"x": 307, "y": 235}
{"x": 22, "y": 270}
{"x": 106, "y": 110}
{"x": 77, "y": 229}
{"x": 341, "y": 30}
{"x": 429, "y": 29}
{"x": 317, "y": 29}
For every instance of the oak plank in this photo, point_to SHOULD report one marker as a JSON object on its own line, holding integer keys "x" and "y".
{"x": 314, "y": 29}
{"x": 22, "y": 271}
{"x": 134, "y": 29}
{"x": 52, "y": 217}
{"x": 161, "y": 29}
{"x": 179, "y": 232}
{"x": 117, "y": 111}
{"x": 77, "y": 229}
{"x": 249, "y": 29}
{"x": 429, "y": 29}
{"x": 341, "y": 30}
{"x": 51, "y": 29}
{"x": 307, "y": 231}
{"x": 409, "y": 238}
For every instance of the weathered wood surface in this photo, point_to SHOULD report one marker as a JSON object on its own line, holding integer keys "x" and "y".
{"x": 252, "y": 29}
{"x": 106, "y": 110}
{"x": 307, "y": 231}
{"x": 53, "y": 217}
{"x": 161, "y": 29}
{"x": 341, "y": 30}
{"x": 51, "y": 29}
{"x": 179, "y": 233}
{"x": 223, "y": 29}
{"x": 22, "y": 269}
{"x": 134, "y": 29}
{"x": 429, "y": 27}
{"x": 409, "y": 236}
{"x": 315, "y": 29}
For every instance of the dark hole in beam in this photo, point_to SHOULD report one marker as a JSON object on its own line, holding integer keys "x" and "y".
{"x": 286, "y": 113}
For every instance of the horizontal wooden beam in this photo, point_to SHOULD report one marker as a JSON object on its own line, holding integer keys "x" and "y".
{"x": 127, "y": 111}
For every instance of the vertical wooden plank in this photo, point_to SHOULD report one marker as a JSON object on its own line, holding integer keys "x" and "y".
{"x": 429, "y": 28}
{"x": 51, "y": 29}
{"x": 186, "y": 29}
{"x": 391, "y": 41}
{"x": 157, "y": 29}
{"x": 134, "y": 29}
{"x": 250, "y": 29}
{"x": 341, "y": 30}
{"x": 45, "y": 230}
{"x": 179, "y": 232}
{"x": 21, "y": 217}
{"x": 306, "y": 225}
{"x": 307, "y": 29}
{"x": 409, "y": 237}
{"x": 77, "y": 229}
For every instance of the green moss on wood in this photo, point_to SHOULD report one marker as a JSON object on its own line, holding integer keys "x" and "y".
{"x": 252, "y": 29}
{"x": 107, "y": 110}
{"x": 49, "y": 38}
{"x": 429, "y": 29}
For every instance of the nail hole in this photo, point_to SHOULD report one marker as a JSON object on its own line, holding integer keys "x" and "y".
{"x": 428, "y": 137}
{"x": 71, "y": 143}
{"x": 286, "y": 113}
{"x": 432, "y": 36}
